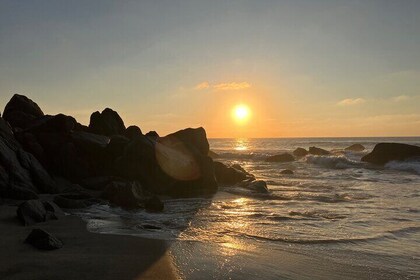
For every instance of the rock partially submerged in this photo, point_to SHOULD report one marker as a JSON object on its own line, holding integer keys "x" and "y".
{"x": 285, "y": 157}
{"x": 229, "y": 175}
{"x": 43, "y": 240}
{"x": 256, "y": 186}
{"x": 386, "y": 152}
{"x": 287, "y": 172}
{"x": 300, "y": 152}
{"x": 355, "y": 148}
{"x": 129, "y": 195}
{"x": 318, "y": 151}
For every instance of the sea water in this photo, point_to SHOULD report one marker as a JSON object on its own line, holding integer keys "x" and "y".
{"x": 334, "y": 218}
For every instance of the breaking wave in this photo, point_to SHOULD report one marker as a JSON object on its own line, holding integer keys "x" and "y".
{"x": 409, "y": 166}
{"x": 335, "y": 162}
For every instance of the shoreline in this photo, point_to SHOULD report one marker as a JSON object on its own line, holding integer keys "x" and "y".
{"x": 85, "y": 255}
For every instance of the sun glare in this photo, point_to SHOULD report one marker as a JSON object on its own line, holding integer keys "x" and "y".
{"x": 241, "y": 113}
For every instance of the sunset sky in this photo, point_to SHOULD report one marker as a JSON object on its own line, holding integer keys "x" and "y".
{"x": 302, "y": 68}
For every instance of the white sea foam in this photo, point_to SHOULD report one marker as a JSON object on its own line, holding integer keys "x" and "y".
{"x": 409, "y": 166}
{"x": 335, "y": 162}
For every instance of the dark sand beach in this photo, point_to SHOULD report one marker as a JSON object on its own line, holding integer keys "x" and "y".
{"x": 84, "y": 255}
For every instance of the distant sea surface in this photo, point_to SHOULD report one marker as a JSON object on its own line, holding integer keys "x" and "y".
{"x": 335, "y": 218}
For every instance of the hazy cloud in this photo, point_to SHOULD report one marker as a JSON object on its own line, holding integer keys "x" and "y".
{"x": 401, "y": 98}
{"x": 223, "y": 86}
{"x": 232, "y": 86}
{"x": 203, "y": 85}
{"x": 351, "y": 101}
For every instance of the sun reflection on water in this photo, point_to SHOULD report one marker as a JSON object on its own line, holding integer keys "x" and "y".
{"x": 241, "y": 144}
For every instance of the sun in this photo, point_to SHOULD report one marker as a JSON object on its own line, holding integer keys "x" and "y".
{"x": 241, "y": 113}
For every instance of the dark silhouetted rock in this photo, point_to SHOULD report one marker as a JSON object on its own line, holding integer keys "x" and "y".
{"x": 355, "y": 148}
{"x": 117, "y": 145}
{"x": 106, "y": 123}
{"x": 154, "y": 204}
{"x": 53, "y": 124}
{"x": 300, "y": 152}
{"x": 228, "y": 175}
{"x": 286, "y": 157}
{"x": 318, "y": 151}
{"x": 132, "y": 132}
{"x": 257, "y": 186}
{"x": 31, "y": 212}
{"x": 74, "y": 200}
{"x": 194, "y": 137}
{"x": 36, "y": 211}
{"x": 25, "y": 175}
{"x": 40, "y": 177}
{"x": 43, "y": 240}
{"x": 287, "y": 172}
{"x": 183, "y": 156}
{"x": 125, "y": 194}
{"x": 89, "y": 141}
{"x": 386, "y": 152}
{"x": 213, "y": 155}
{"x": 21, "y": 111}
{"x": 152, "y": 134}
{"x": 53, "y": 211}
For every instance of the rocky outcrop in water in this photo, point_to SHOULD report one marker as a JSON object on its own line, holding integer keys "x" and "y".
{"x": 300, "y": 152}
{"x": 386, "y": 152}
{"x": 318, "y": 151}
{"x": 355, "y": 148}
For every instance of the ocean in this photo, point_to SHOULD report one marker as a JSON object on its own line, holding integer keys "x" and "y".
{"x": 334, "y": 218}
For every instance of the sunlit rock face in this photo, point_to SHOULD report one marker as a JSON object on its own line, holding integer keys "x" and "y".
{"x": 183, "y": 156}
{"x": 176, "y": 160}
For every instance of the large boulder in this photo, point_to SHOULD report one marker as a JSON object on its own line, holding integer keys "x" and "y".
{"x": 53, "y": 124}
{"x": 40, "y": 177}
{"x": 21, "y": 111}
{"x": 228, "y": 175}
{"x": 385, "y": 152}
{"x": 152, "y": 134}
{"x": 355, "y": 148}
{"x": 318, "y": 151}
{"x": 175, "y": 165}
{"x": 43, "y": 240}
{"x": 286, "y": 157}
{"x": 129, "y": 195}
{"x": 106, "y": 123}
{"x": 183, "y": 156}
{"x": 193, "y": 137}
{"x": 300, "y": 152}
{"x": 35, "y": 211}
{"x": 132, "y": 132}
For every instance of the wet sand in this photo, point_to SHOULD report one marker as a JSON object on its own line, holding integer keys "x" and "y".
{"x": 85, "y": 255}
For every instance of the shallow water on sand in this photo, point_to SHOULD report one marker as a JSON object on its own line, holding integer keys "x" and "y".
{"x": 335, "y": 216}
